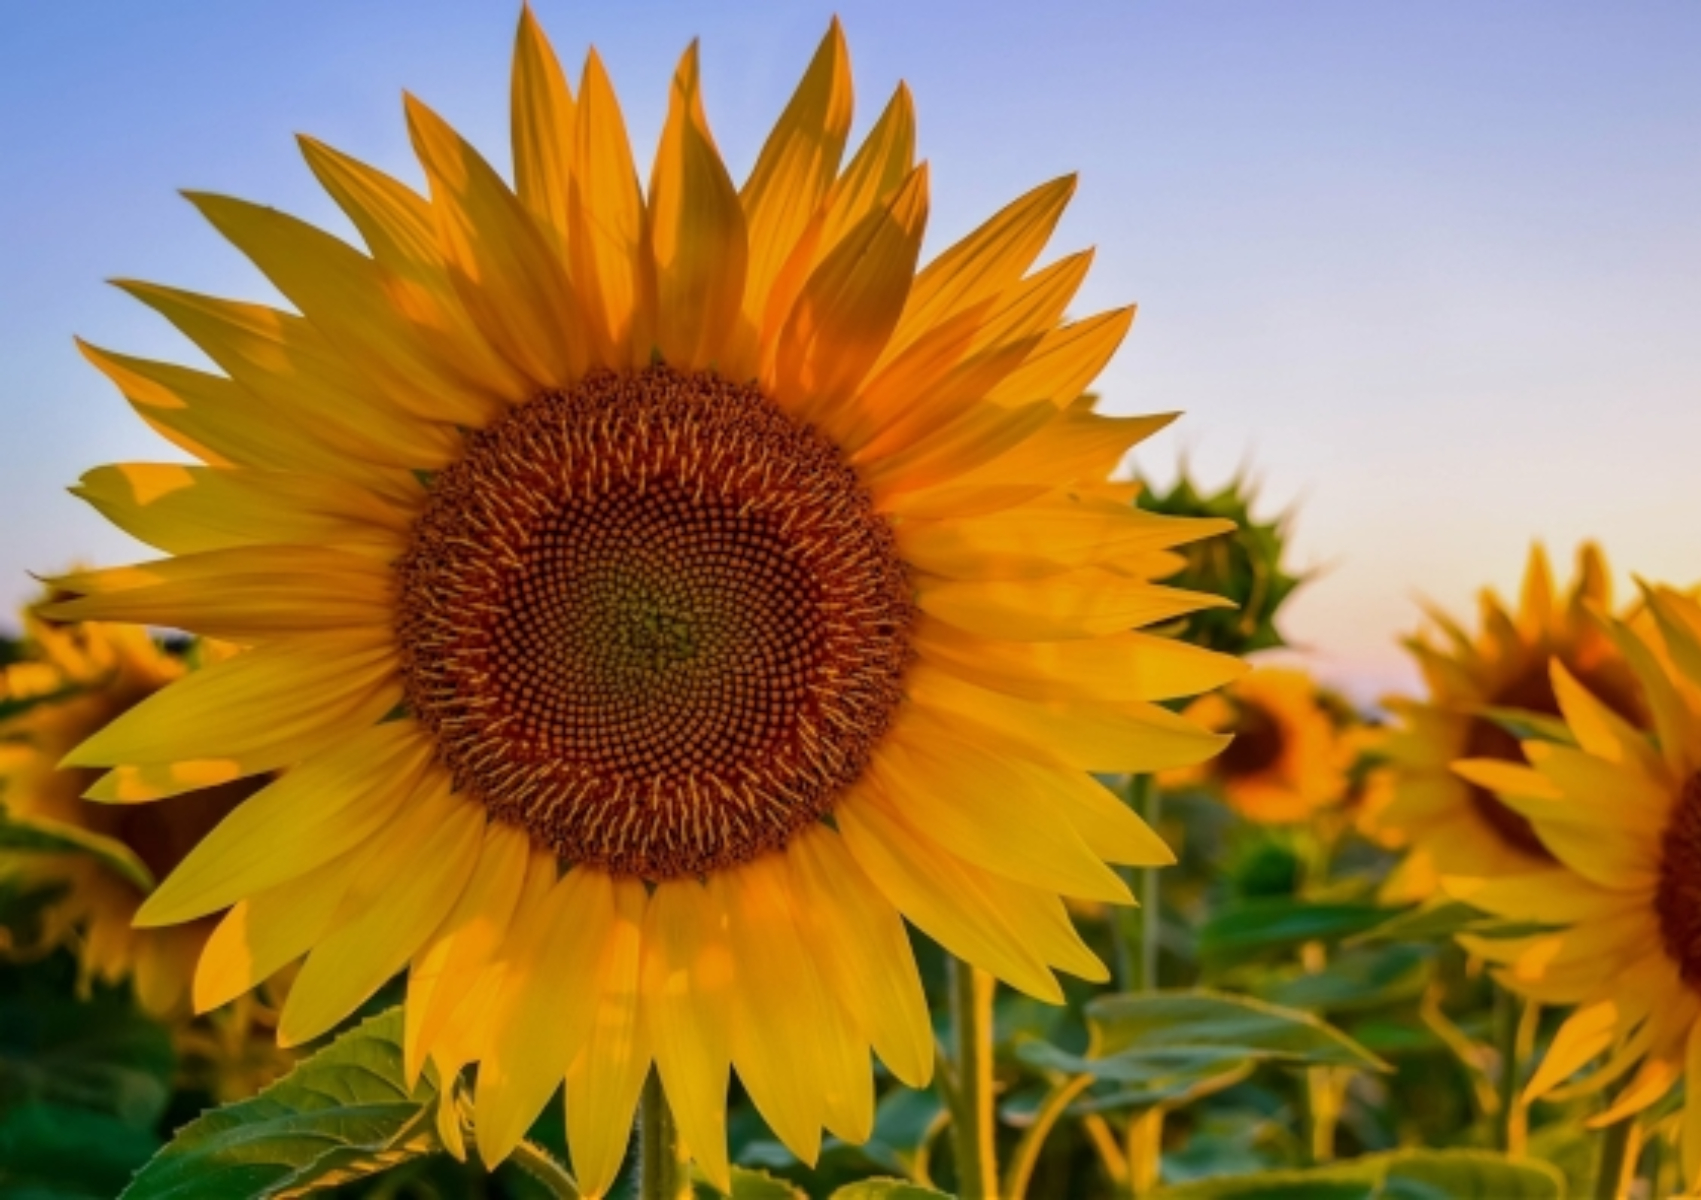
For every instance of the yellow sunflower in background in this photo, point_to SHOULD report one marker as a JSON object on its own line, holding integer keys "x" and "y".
{"x": 650, "y": 596}
{"x": 1451, "y": 825}
{"x": 1288, "y": 758}
{"x": 75, "y": 679}
{"x": 1619, "y": 815}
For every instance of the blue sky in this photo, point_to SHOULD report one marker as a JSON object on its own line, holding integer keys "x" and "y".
{"x": 1434, "y": 269}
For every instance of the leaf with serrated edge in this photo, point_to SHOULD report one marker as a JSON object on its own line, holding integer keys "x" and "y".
{"x": 887, "y": 1189}
{"x": 342, "y": 1114}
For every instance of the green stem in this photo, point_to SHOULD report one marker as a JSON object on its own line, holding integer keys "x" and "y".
{"x": 1137, "y": 949}
{"x": 972, "y": 1128}
{"x": 1609, "y": 1174}
{"x": 1020, "y": 1170}
{"x": 535, "y": 1161}
{"x": 664, "y": 1173}
{"x": 1508, "y": 1123}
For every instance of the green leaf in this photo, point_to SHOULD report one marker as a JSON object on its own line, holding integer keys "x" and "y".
{"x": 887, "y": 1189}
{"x": 342, "y": 1114}
{"x": 750, "y": 1185}
{"x": 37, "y": 835}
{"x": 1205, "y": 1021}
{"x": 1401, "y": 1175}
{"x": 99, "y": 1054}
{"x": 1440, "y": 920}
{"x": 1271, "y": 926}
{"x": 1355, "y": 980}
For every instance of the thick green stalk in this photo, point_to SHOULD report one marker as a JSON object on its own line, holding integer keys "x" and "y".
{"x": 664, "y": 1173}
{"x": 972, "y": 1127}
{"x": 1137, "y": 949}
{"x": 1509, "y": 1121}
{"x": 1609, "y": 1172}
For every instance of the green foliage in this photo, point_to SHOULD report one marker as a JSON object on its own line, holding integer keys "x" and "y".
{"x": 887, "y": 1189}
{"x": 1406, "y": 1175}
{"x": 342, "y": 1114}
{"x": 1269, "y": 926}
{"x": 1245, "y": 566}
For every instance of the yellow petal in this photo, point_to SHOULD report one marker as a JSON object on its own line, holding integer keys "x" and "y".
{"x": 246, "y": 594}
{"x": 605, "y": 216}
{"x": 1584, "y": 1036}
{"x": 982, "y": 436}
{"x": 1047, "y": 536}
{"x": 793, "y": 173}
{"x": 159, "y": 781}
{"x": 687, "y": 977}
{"x": 985, "y": 262}
{"x": 608, "y": 1070}
{"x": 862, "y": 951}
{"x": 1089, "y": 603}
{"x": 1080, "y": 447}
{"x": 468, "y": 939}
{"x": 696, "y": 233}
{"x": 503, "y": 268}
{"x": 289, "y": 366}
{"x": 262, "y": 710}
{"x": 539, "y": 1020}
{"x": 220, "y": 423}
{"x": 939, "y": 894}
{"x": 1691, "y": 1129}
{"x": 1598, "y": 729}
{"x": 1123, "y": 666}
{"x": 324, "y": 808}
{"x": 414, "y": 872}
{"x": 186, "y": 510}
{"x": 881, "y": 164}
{"x": 542, "y": 124}
{"x": 348, "y": 299}
{"x": 849, "y": 305}
{"x": 398, "y": 228}
{"x": 980, "y": 805}
{"x": 778, "y": 1005}
{"x": 267, "y": 931}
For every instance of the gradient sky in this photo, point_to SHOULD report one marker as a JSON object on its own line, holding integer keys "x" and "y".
{"x": 1433, "y": 269}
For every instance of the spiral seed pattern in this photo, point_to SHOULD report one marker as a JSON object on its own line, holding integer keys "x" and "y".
{"x": 654, "y": 621}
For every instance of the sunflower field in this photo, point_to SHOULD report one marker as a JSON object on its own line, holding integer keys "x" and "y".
{"x": 649, "y": 685}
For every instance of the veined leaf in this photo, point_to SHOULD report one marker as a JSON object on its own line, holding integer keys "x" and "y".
{"x": 38, "y": 835}
{"x": 749, "y": 1185}
{"x": 1263, "y": 927}
{"x": 342, "y": 1114}
{"x": 887, "y": 1189}
{"x": 1356, "y": 979}
{"x": 1203, "y": 1020}
{"x": 1401, "y": 1175}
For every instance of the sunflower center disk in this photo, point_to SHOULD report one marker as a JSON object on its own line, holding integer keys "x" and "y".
{"x": 1677, "y": 899}
{"x": 654, "y": 621}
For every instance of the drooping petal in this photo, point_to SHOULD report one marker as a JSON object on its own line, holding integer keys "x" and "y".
{"x": 467, "y": 940}
{"x": 936, "y": 893}
{"x": 539, "y": 1020}
{"x": 324, "y": 808}
{"x": 608, "y": 1070}
{"x": 860, "y": 947}
{"x": 687, "y": 978}
{"x": 269, "y": 930}
{"x": 406, "y": 886}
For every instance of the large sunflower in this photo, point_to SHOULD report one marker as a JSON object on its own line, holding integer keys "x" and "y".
{"x": 1619, "y": 814}
{"x": 73, "y": 680}
{"x": 1288, "y": 758}
{"x": 1451, "y": 825}
{"x": 651, "y": 595}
